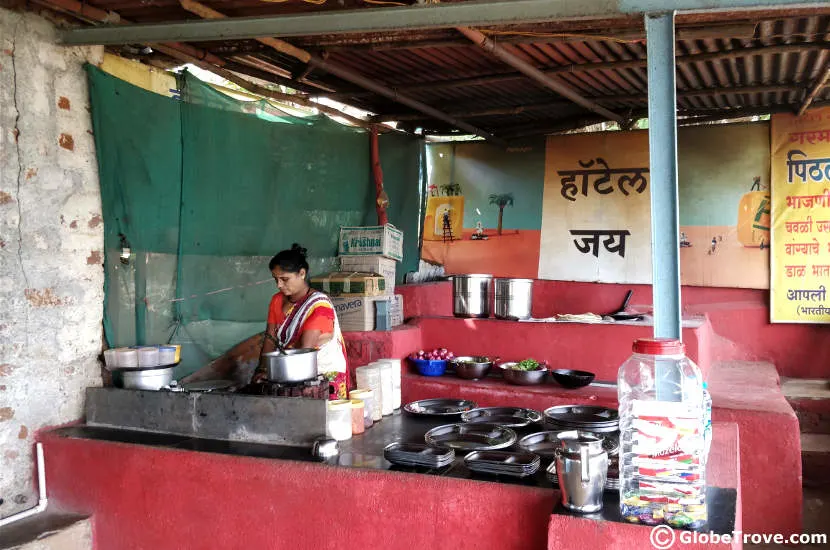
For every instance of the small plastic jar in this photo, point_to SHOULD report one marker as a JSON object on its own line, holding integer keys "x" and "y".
{"x": 339, "y": 420}
{"x": 368, "y": 398}
{"x": 358, "y": 426}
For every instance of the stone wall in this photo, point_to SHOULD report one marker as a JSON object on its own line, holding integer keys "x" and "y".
{"x": 51, "y": 244}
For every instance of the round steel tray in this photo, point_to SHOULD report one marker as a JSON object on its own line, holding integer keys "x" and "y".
{"x": 545, "y": 443}
{"x": 439, "y": 407}
{"x": 509, "y": 417}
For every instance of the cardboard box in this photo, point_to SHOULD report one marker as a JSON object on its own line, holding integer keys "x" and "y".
{"x": 372, "y": 264}
{"x": 379, "y": 240}
{"x": 350, "y": 283}
{"x": 359, "y": 314}
{"x": 396, "y": 310}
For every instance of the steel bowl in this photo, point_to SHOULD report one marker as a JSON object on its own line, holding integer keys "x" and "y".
{"x": 292, "y": 365}
{"x": 523, "y": 377}
{"x": 472, "y": 368}
{"x": 572, "y": 378}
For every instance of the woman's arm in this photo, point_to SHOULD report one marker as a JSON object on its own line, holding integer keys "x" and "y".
{"x": 269, "y": 344}
{"x": 314, "y": 339}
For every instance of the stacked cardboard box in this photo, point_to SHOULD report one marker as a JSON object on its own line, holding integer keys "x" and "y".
{"x": 367, "y": 250}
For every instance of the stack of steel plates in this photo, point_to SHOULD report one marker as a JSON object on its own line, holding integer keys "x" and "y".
{"x": 418, "y": 454}
{"x": 584, "y": 418}
{"x": 517, "y": 464}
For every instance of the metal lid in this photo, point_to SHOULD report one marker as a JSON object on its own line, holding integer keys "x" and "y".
{"x": 659, "y": 346}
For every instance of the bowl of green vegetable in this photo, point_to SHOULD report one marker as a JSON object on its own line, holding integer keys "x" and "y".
{"x": 524, "y": 373}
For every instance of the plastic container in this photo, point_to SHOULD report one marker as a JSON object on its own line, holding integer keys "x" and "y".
{"x": 148, "y": 357}
{"x": 358, "y": 425}
{"x": 167, "y": 355}
{"x": 369, "y": 377}
{"x": 430, "y": 367}
{"x": 178, "y": 352}
{"x": 368, "y": 398}
{"x": 339, "y": 420}
{"x": 386, "y": 388}
{"x": 396, "y": 382}
{"x": 127, "y": 358}
{"x": 662, "y": 472}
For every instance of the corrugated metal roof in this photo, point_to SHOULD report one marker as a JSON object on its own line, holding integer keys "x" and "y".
{"x": 746, "y": 64}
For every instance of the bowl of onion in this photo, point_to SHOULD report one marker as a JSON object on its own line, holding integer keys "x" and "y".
{"x": 431, "y": 363}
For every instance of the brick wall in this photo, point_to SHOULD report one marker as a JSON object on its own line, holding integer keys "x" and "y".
{"x": 51, "y": 244}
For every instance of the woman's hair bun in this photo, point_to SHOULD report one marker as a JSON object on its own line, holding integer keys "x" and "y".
{"x": 297, "y": 248}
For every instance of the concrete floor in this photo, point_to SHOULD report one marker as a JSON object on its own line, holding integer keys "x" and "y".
{"x": 816, "y": 519}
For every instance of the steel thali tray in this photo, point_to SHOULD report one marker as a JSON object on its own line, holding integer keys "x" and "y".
{"x": 439, "y": 407}
{"x": 545, "y": 443}
{"x": 471, "y": 437}
{"x": 509, "y": 417}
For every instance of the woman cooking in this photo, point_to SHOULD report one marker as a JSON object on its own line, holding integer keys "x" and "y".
{"x": 300, "y": 317}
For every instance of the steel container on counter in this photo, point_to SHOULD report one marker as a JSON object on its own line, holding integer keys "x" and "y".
{"x": 147, "y": 379}
{"x": 513, "y": 299}
{"x": 291, "y": 365}
{"x": 471, "y": 295}
{"x": 582, "y": 468}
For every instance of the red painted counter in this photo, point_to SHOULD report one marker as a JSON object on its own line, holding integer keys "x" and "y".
{"x": 143, "y": 497}
{"x": 744, "y": 393}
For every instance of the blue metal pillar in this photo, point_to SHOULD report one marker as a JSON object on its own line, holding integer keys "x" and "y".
{"x": 662, "y": 145}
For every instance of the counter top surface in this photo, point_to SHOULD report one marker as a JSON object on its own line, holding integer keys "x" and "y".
{"x": 361, "y": 451}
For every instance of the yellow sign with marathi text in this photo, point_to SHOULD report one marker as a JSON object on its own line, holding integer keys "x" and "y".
{"x": 800, "y": 260}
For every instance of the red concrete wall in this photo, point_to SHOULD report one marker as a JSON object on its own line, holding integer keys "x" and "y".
{"x": 145, "y": 497}
{"x": 739, "y": 319}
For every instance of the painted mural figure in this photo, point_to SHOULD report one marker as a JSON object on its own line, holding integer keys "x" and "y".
{"x": 502, "y": 201}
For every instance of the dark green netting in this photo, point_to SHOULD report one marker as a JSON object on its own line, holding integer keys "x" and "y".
{"x": 205, "y": 190}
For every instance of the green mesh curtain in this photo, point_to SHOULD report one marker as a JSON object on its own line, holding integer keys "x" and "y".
{"x": 205, "y": 190}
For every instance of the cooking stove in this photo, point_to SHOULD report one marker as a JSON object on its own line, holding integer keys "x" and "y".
{"x": 316, "y": 388}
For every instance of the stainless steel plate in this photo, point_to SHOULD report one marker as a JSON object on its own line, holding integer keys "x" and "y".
{"x": 439, "y": 407}
{"x": 509, "y": 417}
{"x": 471, "y": 437}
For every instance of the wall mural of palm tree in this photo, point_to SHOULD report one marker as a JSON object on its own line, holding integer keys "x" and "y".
{"x": 501, "y": 200}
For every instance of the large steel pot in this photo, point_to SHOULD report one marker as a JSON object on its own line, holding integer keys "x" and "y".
{"x": 471, "y": 295}
{"x": 514, "y": 298}
{"x": 292, "y": 365}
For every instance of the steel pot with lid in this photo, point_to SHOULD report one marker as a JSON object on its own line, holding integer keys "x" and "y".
{"x": 471, "y": 295}
{"x": 514, "y": 299}
{"x": 291, "y": 365}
